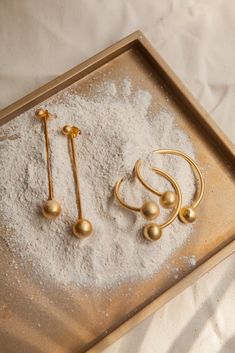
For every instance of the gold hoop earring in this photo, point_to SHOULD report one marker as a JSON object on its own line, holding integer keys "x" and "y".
{"x": 152, "y": 231}
{"x": 51, "y": 208}
{"x": 187, "y": 214}
{"x": 82, "y": 228}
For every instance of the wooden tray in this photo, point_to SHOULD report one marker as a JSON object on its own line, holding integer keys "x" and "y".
{"x": 72, "y": 320}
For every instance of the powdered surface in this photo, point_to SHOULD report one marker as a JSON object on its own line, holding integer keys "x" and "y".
{"x": 117, "y": 129}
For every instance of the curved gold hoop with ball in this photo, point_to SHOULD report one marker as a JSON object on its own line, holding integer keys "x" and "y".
{"x": 187, "y": 214}
{"x": 150, "y": 210}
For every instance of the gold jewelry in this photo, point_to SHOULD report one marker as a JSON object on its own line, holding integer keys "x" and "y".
{"x": 150, "y": 210}
{"x": 187, "y": 214}
{"x": 168, "y": 199}
{"x": 51, "y": 208}
{"x": 82, "y": 228}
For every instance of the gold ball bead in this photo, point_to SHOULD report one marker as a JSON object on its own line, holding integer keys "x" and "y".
{"x": 41, "y": 113}
{"x": 168, "y": 199}
{"x": 51, "y": 209}
{"x": 152, "y": 232}
{"x": 187, "y": 214}
{"x": 149, "y": 210}
{"x": 67, "y": 129}
{"x": 82, "y": 228}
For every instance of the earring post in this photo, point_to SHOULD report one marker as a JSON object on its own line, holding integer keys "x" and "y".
{"x": 76, "y": 179}
{"x": 48, "y": 157}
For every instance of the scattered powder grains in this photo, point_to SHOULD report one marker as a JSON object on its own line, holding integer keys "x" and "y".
{"x": 117, "y": 129}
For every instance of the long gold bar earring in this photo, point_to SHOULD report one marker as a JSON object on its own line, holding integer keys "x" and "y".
{"x": 187, "y": 213}
{"x": 82, "y": 228}
{"x": 51, "y": 208}
{"x": 153, "y": 231}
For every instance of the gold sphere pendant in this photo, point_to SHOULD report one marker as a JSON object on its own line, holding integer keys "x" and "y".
{"x": 51, "y": 209}
{"x": 82, "y": 228}
{"x": 149, "y": 210}
{"x": 168, "y": 199}
{"x": 152, "y": 232}
{"x": 187, "y": 214}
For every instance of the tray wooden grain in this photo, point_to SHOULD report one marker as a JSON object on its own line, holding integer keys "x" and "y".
{"x": 73, "y": 320}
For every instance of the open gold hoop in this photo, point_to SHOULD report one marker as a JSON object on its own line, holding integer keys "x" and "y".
{"x": 152, "y": 231}
{"x": 187, "y": 214}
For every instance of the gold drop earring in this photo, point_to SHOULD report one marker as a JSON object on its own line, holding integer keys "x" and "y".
{"x": 51, "y": 208}
{"x": 187, "y": 214}
{"x": 82, "y": 228}
{"x": 152, "y": 231}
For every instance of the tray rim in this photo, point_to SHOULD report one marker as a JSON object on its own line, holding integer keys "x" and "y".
{"x": 200, "y": 116}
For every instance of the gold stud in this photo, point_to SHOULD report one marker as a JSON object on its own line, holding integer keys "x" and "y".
{"x": 82, "y": 228}
{"x": 71, "y": 130}
{"x": 51, "y": 209}
{"x": 66, "y": 130}
{"x": 41, "y": 113}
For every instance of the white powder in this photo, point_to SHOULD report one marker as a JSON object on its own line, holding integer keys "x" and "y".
{"x": 117, "y": 129}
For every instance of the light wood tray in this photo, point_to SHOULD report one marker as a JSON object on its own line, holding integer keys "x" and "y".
{"x": 78, "y": 320}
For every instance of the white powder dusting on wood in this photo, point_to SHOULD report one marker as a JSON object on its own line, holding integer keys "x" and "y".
{"x": 117, "y": 129}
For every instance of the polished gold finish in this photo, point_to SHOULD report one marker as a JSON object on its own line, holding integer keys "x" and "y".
{"x": 178, "y": 196}
{"x": 149, "y": 209}
{"x": 66, "y": 130}
{"x": 152, "y": 232}
{"x": 168, "y": 199}
{"x": 71, "y": 130}
{"x": 42, "y": 113}
{"x": 174, "y": 185}
{"x": 51, "y": 208}
{"x": 75, "y": 313}
{"x": 82, "y": 228}
{"x": 188, "y": 213}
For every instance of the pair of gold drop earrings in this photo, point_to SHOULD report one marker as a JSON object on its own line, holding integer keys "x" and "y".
{"x": 169, "y": 199}
{"x": 51, "y": 209}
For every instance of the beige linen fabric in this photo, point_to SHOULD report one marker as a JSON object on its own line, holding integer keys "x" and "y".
{"x": 41, "y": 39}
